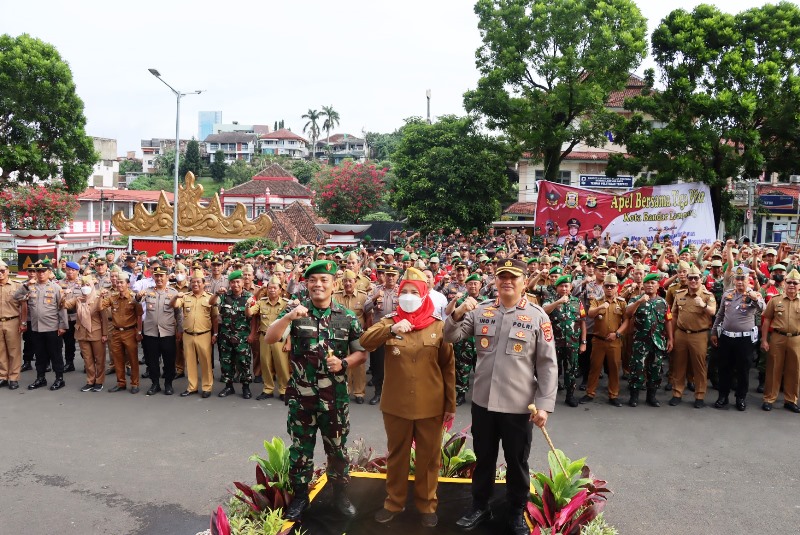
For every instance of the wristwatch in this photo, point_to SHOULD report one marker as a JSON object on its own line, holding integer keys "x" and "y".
{"x": 344, "y": 365}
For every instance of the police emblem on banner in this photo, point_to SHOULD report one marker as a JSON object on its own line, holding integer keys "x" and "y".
{"x": 552, "y": 198}
{"x": 591, "y": 201}
{"x": 571, "y": 200}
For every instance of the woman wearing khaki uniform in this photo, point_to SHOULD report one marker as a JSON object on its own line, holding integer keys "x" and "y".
{"x": 419, "y": 395}
{"x": 90, "y": 332}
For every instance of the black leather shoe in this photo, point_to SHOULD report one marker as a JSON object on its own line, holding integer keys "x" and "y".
{"x": 168, "y": 390}
{"x": 26, "y": 367}
{"x": 766, "y": 406}
{"x": 343, "y": 504}
{"x": 741, "y": 404}
{"x": 460, "y": 399}
{"x": 70, "y": 367}
{"x": 675, "y": 401}
{"x": 227, "y": 391}
{"x": 205, "y": 395}
{"x": 474, "y": 517}
{"x": 258, "y": 379}
{"x": 38, "y": 383}
{"x": 134, "y": 390}
{"x": 699, "y": 404}
{"x": 262, "y": 396}
{"x": 117, "y": 388}
{"x": 155, "y": 389}
{"x": 760, "y": 387}
{"x": 181, "y": 375}
{"x": 721, "y": 403}
{"x": 188, "y": 393}
{"x": 246, "y": 392}
{"x": 615, "y": 402}
{"x": 3, "y": 382}
{"x": 518, "y": 525}
{"x": 792, "y": 407}
{"x": 429, "y": 520}
{"x": 295, "y": 510}
{"x": 13, "y": 385}
{"x": 384, "y": 516}
{"x": 359, "y": 400}
{"x": 586, "y": 399}
{"x": 57, "y": 384}
{"x": 375, "y": 399}
{"x": 634, "y": 399}
{"x": 87, "y": 387}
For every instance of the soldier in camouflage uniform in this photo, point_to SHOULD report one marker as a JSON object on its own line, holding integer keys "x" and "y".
{"x": 652, "y": 340}
{"x": 465, "y": 349}
{"x": 235, "y": 358}
{"x": 569, "y": 328}
{"x": 324, "y": 340}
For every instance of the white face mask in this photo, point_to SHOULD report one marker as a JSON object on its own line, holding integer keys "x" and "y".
{"x": 409, "y": 302}
{"x": 180, "y": 277}
{"x": 86, "y": 290}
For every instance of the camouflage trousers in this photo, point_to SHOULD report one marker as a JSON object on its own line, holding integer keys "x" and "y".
{"x": 646, "y": 362}
{"x": 567, "y": 357}
{"x": 332, "y": 418}
{"x": 465, "y": 363}
{"x": 235, "y": 358}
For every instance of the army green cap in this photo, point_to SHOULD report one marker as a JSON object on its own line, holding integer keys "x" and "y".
{"x": 533, "y": 259}
{"x": 563, "y": 279}
{"x": 778, "y": 266}
{"x": 652, "y": 277}
{"x": 555, "y": 270}
{"x": 685, "y": 250}
{"x": 110, "y": 251}
{"x": 323, "y": 267}
{"x": 473, "y": 277}
{"x": 235, "y": 275}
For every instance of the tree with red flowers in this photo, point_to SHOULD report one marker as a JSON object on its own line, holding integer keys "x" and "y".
{"x": 346, "y": 193}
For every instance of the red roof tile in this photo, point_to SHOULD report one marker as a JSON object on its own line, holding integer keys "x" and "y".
{"x": 274, "y": 171}
{"x": 783, "y": 189}
{"x": 521, "y": 208}
{"x": 283, "y": 133}
{"x": 633, "y": 88}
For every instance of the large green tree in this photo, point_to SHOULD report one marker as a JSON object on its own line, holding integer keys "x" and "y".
{"x": 382, "y": 146}
{"x": 218, "y": 166}
{"x": 191, "y": 159}
{"x": 548, "y": 67}
{"x": 42, "y": 125}
{"x": 729, "y": 104}
{"x": 448, "y": 174}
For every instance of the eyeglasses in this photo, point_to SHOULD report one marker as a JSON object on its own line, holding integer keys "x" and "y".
{"x": 694, "y": 278}
{"x": 3, "y": 271}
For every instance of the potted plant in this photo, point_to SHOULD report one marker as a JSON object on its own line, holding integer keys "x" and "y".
{"x": 30, "y": 212}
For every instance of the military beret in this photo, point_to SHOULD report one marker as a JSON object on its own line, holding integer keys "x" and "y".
{"x": 533, "y": 259}
{"x": 652, "y": 277}
{"x": 556, "y": 270}
{"x": 235, "y": 275}
{"x": 473, "y": 277}
{"x": 321, "y": 267}
{"x": 110, "y": 251}
{"x": 685, "y": 250}
{"x": 563, "y": 279}
{"x": 167, "y": 256}
{"x": 73, "y": 265}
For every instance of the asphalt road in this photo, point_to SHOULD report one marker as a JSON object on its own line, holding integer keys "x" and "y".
{"x": 102, "y": 463}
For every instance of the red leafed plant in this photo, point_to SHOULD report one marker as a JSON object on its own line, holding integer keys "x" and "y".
{"x": 566, "y": 499}
{"x": 263, "y": 495}
{"x": 347, "y": 192}
{"x": 219, "y": 522}
{"x": 41, "y": 207}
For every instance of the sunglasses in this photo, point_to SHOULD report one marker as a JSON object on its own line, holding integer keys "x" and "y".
{"x": 3, "y": 271}
{"x": 693, "y": 278}
{"x": 792, "y": 283}
{"x": 609, "y": 286}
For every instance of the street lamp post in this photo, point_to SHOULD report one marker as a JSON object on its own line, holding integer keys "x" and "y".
{"x": 178, "y": 96}
{"x": 102, "y": 200}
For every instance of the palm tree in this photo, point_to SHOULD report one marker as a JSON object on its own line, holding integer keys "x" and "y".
{"x": 331, "y": 121}
{"x": 312, "y": 126}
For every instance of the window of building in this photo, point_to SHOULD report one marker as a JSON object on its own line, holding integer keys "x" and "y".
{"x": 260, "y": 210}
{"x": 564, "y": 177}
{"x": 244, "y": 146}
{"x": 229, "y": 208}
{"x": 215, "y": 146}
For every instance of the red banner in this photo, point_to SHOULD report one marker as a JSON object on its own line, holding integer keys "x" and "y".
{"x": 153, "y": 246}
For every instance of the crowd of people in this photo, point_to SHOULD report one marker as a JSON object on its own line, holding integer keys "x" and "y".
{"x": 512, "y": 318}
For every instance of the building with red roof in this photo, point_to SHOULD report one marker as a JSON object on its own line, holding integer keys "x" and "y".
{"x": 283, "y": 142}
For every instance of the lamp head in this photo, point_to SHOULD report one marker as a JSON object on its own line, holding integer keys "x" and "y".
{"x": 155, "y": 73}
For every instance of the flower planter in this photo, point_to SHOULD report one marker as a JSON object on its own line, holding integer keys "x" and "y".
{"x": 32, "y": 246}
{"x": 33, "y": 235}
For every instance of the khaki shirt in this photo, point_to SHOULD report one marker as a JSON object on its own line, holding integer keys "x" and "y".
{"x": 672, "y": 290}
{"x": 688, "y": 315}
{"x": 784, "y": 314}
{"x": 609, "y": 320}
{"x": 161, "y": 318}
{"x": 98, "y": 324}
{"x": 44, "y": 306}
{"x": 267, "y": 312}
{"x": 71, "y": 290}
{"x": 516, "y": 362}
{"x": 182, "y": 288}
{"x": 197, "y": 312}
{"x": 9, "y": 306}
{"x": 420, "y": 377}
{"x": 354, "y": 302}
{"x": 125, "y": 311}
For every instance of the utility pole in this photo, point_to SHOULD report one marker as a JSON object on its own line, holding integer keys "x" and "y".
{"x": 428, "y": 96}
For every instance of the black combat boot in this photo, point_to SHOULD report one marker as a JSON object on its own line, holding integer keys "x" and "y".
{"x": 634, "y": 399}
{"x": 246, "y": 391}
{"x": 299, "y": 504}
{"x": 58, "y": 383}
{"x": 460, "y": 399}
{"x": 227, "y": 391}
{"x": 761, "y": 378}
{"x": 651, "y": 398}
{"x": 342, "y": 502}
{"x": 571, "y": 401}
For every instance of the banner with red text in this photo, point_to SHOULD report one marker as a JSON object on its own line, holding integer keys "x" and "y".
{"x": 640, "y": 213}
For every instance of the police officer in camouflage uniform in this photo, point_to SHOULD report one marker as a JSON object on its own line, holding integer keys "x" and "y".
{"x": 569, "y": 328}
{"x": 235, "y": 358}
{"x": 465, "y": 349}
{"x": 324, "y": 338}
{"x": 652, "y": 340}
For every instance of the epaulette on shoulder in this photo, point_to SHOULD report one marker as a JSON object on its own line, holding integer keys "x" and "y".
{"x": 437, "y": 316}
{"x": 390, "y": 315}
{"x": 682, "y": 290}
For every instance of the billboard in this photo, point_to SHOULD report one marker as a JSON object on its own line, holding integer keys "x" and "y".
{"x": 637, "y": 214}
{"x": 602, "y": 181}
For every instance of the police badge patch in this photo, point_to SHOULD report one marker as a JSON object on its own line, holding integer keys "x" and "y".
{"x": 547, "y": 331}
{"x": 484, "y": 343}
